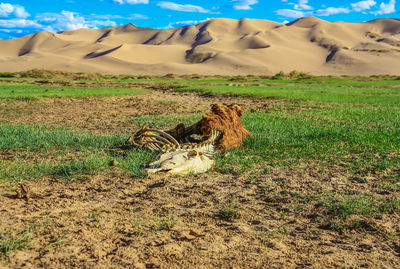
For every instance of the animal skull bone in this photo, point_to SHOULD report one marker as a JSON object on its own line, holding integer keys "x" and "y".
{"x": 182, "y": 162}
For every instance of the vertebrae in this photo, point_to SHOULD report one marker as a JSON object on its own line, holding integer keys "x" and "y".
{"x": 158, "y": 140}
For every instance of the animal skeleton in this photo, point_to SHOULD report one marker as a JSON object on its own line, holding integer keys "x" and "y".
{"x": 191, "y": 149}
{"x": 177, "y": 158}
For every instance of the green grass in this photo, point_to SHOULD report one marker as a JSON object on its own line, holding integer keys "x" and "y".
{"x": 344, "y": 206}
{"x": 86, "y": 154}
{"x": 164, "y": 223}
{"x": 27, "y": 237}
{"x": 18, "y": 241}
{"x": 281, "y": 78}
{"x": 320, "y": 93}
{"x": 27, "y": 91}
{"x": 352, "y": 122}
{"x": 360, "y": 139}
{"x": 355, "y": 212}
{"x": 228, "y": 213}
{"x": 34, "y": 137}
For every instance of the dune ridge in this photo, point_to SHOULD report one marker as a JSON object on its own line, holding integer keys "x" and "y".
{"x": 217, "y": 46}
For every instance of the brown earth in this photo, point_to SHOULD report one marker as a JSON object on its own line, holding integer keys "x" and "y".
{"x": 210, "y": 220}
{"x": 113, "y": 222}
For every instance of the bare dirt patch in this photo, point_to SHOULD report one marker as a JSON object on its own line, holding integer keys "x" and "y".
{"x": 110, "y": 114}
{"x": 117, "y": 222}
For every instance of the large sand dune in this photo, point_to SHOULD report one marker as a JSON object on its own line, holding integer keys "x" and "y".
{"x": 218, "y": 46}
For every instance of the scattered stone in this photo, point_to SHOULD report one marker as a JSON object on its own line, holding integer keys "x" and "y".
{"x": 23, "y": 191}
{"x": 195, "y": 232}
{"x": 187, "y": 236}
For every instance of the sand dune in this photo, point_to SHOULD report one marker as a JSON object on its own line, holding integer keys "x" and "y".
{"x": 218, "y": 46}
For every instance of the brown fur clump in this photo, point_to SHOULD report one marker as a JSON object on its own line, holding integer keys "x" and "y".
{"x": 225, "y": 119}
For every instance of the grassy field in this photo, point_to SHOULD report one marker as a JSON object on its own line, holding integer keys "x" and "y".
{"x": 331, "y": 125}
{"x": 27, "y": 91}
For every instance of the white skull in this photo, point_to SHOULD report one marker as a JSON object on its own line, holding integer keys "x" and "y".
{"x": 182, "y": 162}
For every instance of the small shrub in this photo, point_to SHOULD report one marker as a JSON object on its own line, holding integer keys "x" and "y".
{"x": 280, "y": 75}
{"x": 239, "y": 78}
{"x": 229, "y": 213}
{"x": 6, "y": 75}
{"x": 171, "y": 76}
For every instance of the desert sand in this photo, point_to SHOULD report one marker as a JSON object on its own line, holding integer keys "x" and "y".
{"x": 217, "y": 46}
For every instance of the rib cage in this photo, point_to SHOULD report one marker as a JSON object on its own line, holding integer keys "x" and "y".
{"x": 158, "y": 140}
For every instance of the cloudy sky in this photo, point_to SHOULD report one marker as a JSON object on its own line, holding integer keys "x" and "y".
{"x": 19, "y": 18}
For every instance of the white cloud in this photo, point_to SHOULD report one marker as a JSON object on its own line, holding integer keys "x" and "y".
{"x": 189, "y": 22}
{"x": 55, "y": 22}
{"x": 132, "y": 2}
{"x": 244, "y": 4}
{"x": 289, "y": 13}
{"x": 6, "y": 9}
{"x": 331, "y": 11}
{"x": 12, "y": 11}
{"x": 97, "y": 24}
{"x": 182, "y": 23}
{"x": 363, "y": 5}
{"x": 134, "y": 16}
{"x": 386, "y": 8}
{"x": 18, "y": 23}
{"x": 302, "y": 9}
{"x": 68, "y": 20}
{"x": 20, "y": 12}
{"x": 302, "y": 5}
{"x": 185, "y": 8}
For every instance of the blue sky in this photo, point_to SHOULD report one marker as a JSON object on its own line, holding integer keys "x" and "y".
{"x": 19, "y": 18}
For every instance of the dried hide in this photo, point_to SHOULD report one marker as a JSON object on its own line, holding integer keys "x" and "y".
{"x": 225, "y": 119}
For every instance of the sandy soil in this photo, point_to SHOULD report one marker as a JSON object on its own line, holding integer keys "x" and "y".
{"x": 217, "y": 46}
{"x": 114, "y": 221}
